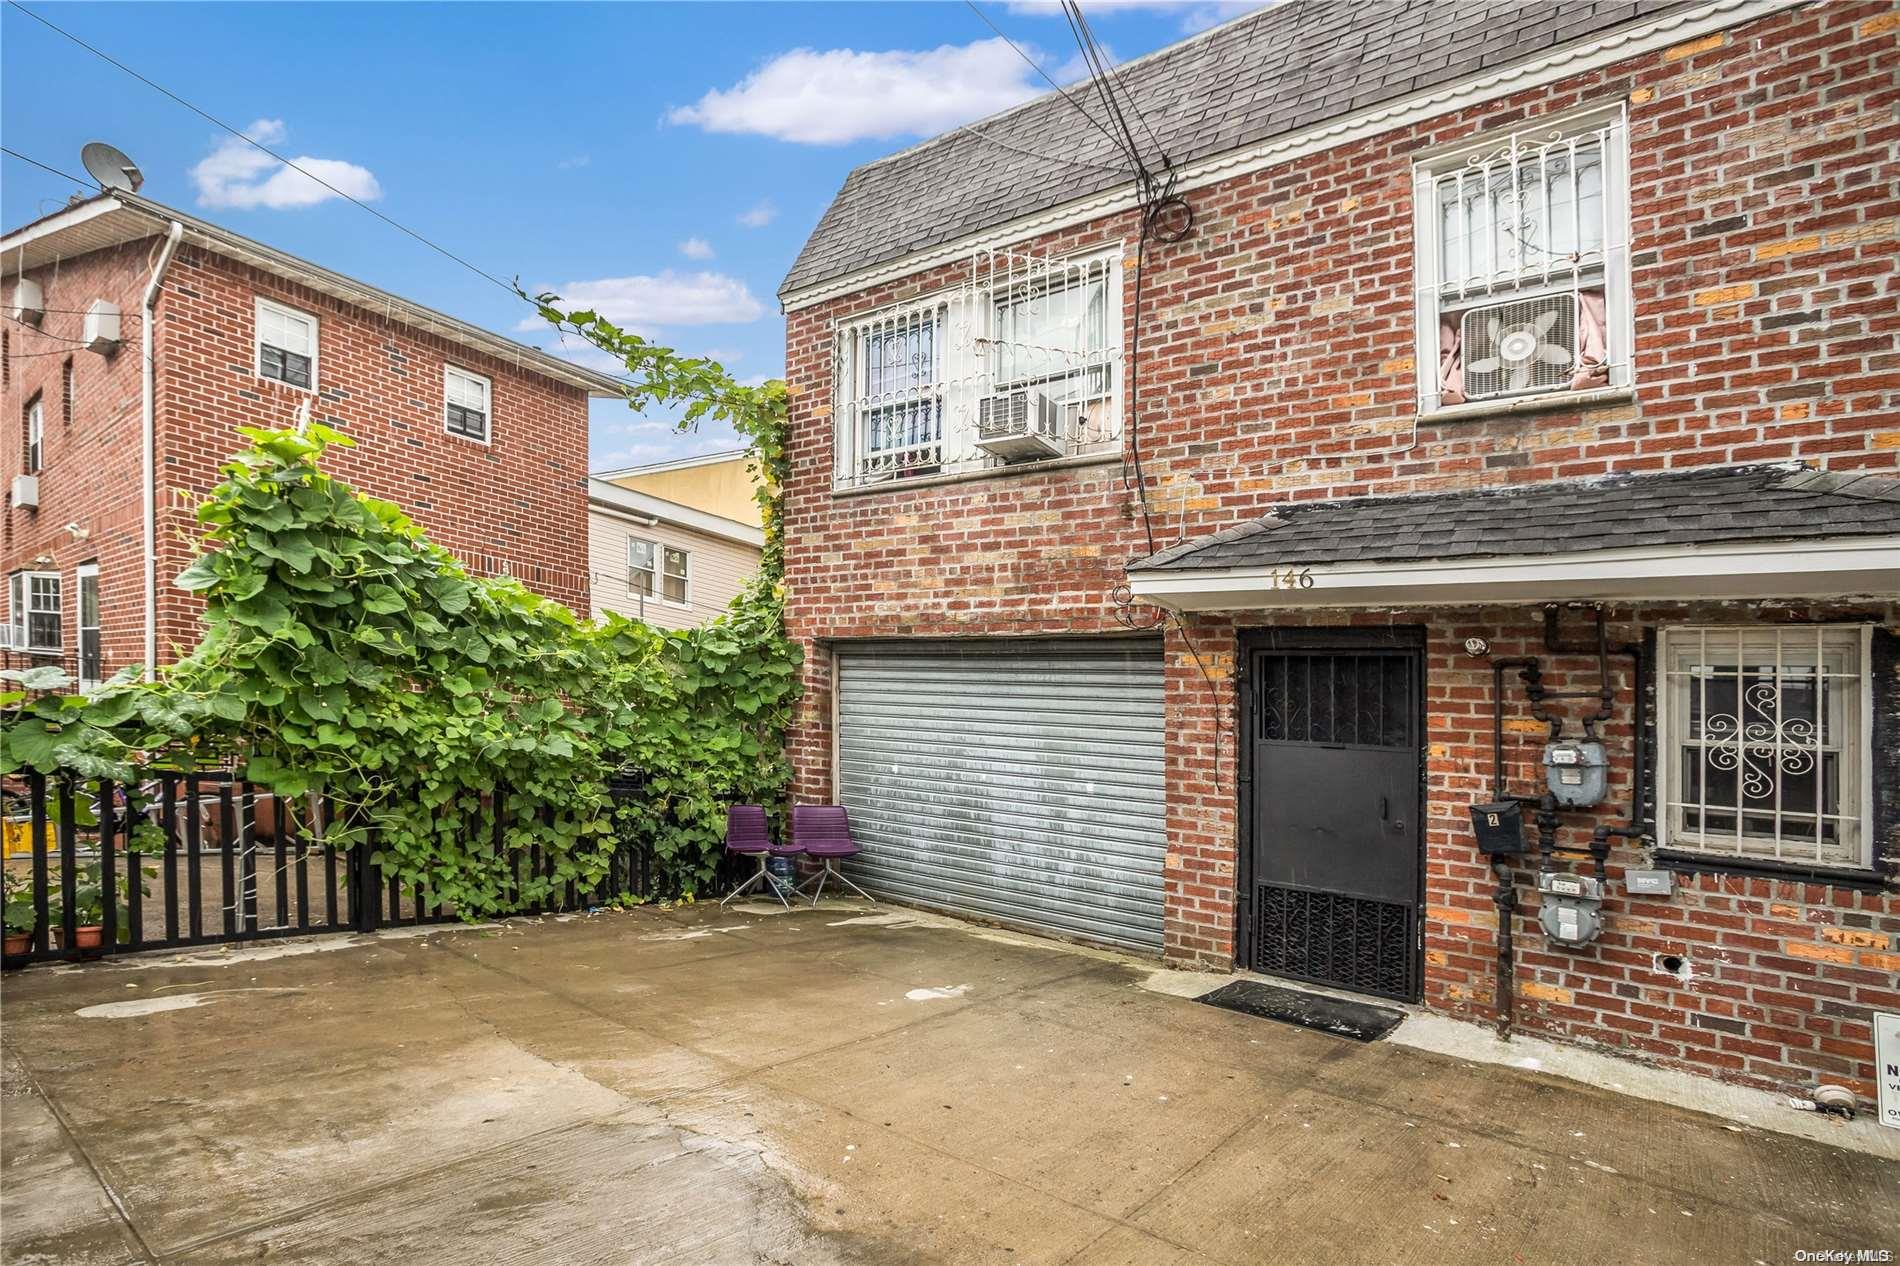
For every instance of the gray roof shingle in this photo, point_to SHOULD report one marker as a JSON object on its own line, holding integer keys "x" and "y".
{"x": 1700, "y": 507}
{"x": 1277, "y": 71}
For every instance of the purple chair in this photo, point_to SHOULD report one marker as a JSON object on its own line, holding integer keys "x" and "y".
{"x": 747, "y": 835}
{"x": 824, "y": 832}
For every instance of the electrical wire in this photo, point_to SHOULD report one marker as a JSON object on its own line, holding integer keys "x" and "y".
{"x": 1063, "y": 92}
{"x": 87, "y": 181}
{"x": 1100, "y": 58}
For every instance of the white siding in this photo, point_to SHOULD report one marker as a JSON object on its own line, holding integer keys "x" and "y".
{"x": 717, "y": 570}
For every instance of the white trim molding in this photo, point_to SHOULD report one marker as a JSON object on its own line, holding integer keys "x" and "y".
{"x": 1577, "y": 58}
{"x": 1829, "y": 567}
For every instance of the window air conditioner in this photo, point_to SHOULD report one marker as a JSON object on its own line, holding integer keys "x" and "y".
{"x": 26, "y": 492}
{"x": 1520, "y": 346}
{"x": 99, "y": 331}
{"x": 29, "y": 302}
{"x": 1020, "y": 425}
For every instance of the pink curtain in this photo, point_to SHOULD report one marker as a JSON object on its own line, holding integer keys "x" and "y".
{"x": 1451, "y": 365}
{"x": 1593, "y": 354}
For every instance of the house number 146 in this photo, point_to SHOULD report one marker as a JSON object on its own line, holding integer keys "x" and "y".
{"x": 1291, "y": 578}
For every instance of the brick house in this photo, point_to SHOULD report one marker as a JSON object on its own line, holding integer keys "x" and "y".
{"x": 481, "y": 439}
{"x": 1496, "y": 407}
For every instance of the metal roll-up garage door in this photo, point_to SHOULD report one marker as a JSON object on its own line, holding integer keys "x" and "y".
{"x": 1010, "y": 780}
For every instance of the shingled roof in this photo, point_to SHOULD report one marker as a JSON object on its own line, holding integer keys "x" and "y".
{"x": 1278, "y": 71}
{"x": 1702, "y": 507}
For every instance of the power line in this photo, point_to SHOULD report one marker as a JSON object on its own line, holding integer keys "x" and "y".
{"x": 1073, "y": 104}
{"x": 1114, "y": 86}
{"x": 253, "y": 141}
{"x": 64, "y": 175}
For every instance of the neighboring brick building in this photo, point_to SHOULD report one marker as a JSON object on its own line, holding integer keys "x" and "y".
{"x": 1225, "y": 685}
{"x": 482, "y": 440}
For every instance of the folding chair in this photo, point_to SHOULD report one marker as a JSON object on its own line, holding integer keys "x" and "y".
{"x": 824, "y": 832}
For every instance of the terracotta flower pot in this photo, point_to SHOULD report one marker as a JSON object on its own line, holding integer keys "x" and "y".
{"x": 18, "y": 942}
{"x": 89, "y": 937}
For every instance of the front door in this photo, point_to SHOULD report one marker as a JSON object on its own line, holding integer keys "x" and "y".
{"x": 1331, "y": 881}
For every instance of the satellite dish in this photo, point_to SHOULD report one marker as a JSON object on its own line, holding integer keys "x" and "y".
{"x": 110, "y": 167}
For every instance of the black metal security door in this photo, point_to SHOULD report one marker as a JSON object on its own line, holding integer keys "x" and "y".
{"x": 1334, "y": 859}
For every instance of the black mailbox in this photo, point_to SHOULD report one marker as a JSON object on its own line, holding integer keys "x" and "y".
{"x": 1499, "y": 827}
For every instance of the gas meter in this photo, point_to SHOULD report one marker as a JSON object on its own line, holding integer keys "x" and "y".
{"x": 1577, "y": 771}
{"x": 1569, "y": 907}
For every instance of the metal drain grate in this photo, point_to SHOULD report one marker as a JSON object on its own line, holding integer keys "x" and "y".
{"x": 1349, "y": 942}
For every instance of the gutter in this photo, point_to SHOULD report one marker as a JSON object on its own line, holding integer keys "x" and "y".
{"x": 148, "y": 447}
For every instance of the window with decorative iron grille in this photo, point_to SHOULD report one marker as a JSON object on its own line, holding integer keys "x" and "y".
{"x": 1764, "y": 743}
{"x": 1522, "y": 263}
{"x": 1015, "y": 362}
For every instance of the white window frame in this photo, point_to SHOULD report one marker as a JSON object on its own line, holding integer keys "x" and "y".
{"x": 658, "y": 573}
{"x": 1611, "y": 124}
{"x": 35, "y": 455}
{"x": 1681, "y": 824}
{"x": 87, "y": 572}
{"x": 258, "y": 344}
{"x": 20, "y": 606}
{"x": 449, "y": 374}
{"x": 856, "y": 459}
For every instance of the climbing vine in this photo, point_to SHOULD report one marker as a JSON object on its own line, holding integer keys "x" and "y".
{"x": 456, "y": 722}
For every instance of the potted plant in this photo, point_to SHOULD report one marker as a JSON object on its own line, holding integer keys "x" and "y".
{"x": 20, "y": 920}
{"x": 89, "y": 904}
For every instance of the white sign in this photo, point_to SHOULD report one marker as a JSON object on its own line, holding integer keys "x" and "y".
{"x": 1887, "y": 1066}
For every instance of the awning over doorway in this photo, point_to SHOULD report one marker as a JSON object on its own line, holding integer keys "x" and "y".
{"x": 1780, "y": 531}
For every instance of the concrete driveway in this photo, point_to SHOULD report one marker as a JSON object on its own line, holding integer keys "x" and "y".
{"x": 843, "y": 1085}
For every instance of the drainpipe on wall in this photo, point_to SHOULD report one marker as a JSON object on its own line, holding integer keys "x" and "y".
{"x": 148, "y": 449}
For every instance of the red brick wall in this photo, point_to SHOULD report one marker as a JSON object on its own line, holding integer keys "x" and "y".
{"x": 90, "y": 473}
{"x": 517, "y": 504}
{"x": 1277, "y": 362}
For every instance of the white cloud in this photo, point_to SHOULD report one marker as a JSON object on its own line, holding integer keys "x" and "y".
{"x": 831, "y": 96}
{"x": 759, "y": 216}
{"x": 578, "y": 160}
{"x": 696, "y": 248}
{"x": 238, "y": 174}
{"x": 1195, "y": 15}
{"x": 643, "y": 303}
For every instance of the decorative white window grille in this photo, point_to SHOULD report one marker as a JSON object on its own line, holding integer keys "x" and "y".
{"x": 1763, "y": 743}
{"x": 1522, "y": 263}
{"x": 91, "y": 660}
{"x": 33, "y": 611}
{"x": 286, "y": 345}
{"x": 465, "y": 403}
{"x": 1016, "y": 361}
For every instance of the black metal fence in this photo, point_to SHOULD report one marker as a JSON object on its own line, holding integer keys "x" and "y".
{"x": 97, "y": 867}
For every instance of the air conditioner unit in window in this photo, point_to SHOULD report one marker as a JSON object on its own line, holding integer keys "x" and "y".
{"x": 1520, "y": 346}
{"x": 26, "y": 492}
{"x": 1020, "y": 425}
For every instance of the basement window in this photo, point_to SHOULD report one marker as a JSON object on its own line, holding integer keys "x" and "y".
{"x": 466, "y": 400}
{"x": 33, "y": 611}
{"x": 1763, "y": 743}
{"x": 1522, "y": 266}
{"x": 286, "y": 345}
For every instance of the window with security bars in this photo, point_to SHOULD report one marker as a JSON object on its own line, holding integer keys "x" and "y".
{"x": 1763, "y": 743}
{"x": 286, "y": 345}
{"x": 1522, "y": 263}
{"x": 894, "y": 375}
{"x": 466, "y": 398}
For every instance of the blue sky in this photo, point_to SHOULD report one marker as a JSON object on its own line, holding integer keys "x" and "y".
{"x": 662, "y": 161}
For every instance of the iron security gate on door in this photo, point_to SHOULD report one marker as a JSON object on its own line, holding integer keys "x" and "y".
{"x": 1010, "y": 780}
{"x": 1334, "y": 858}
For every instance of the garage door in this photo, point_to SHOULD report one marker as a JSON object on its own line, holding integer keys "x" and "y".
{"x": 1010, "y": 780}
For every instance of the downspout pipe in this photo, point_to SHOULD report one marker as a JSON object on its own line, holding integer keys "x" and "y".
{"x": 148, "y": 446}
